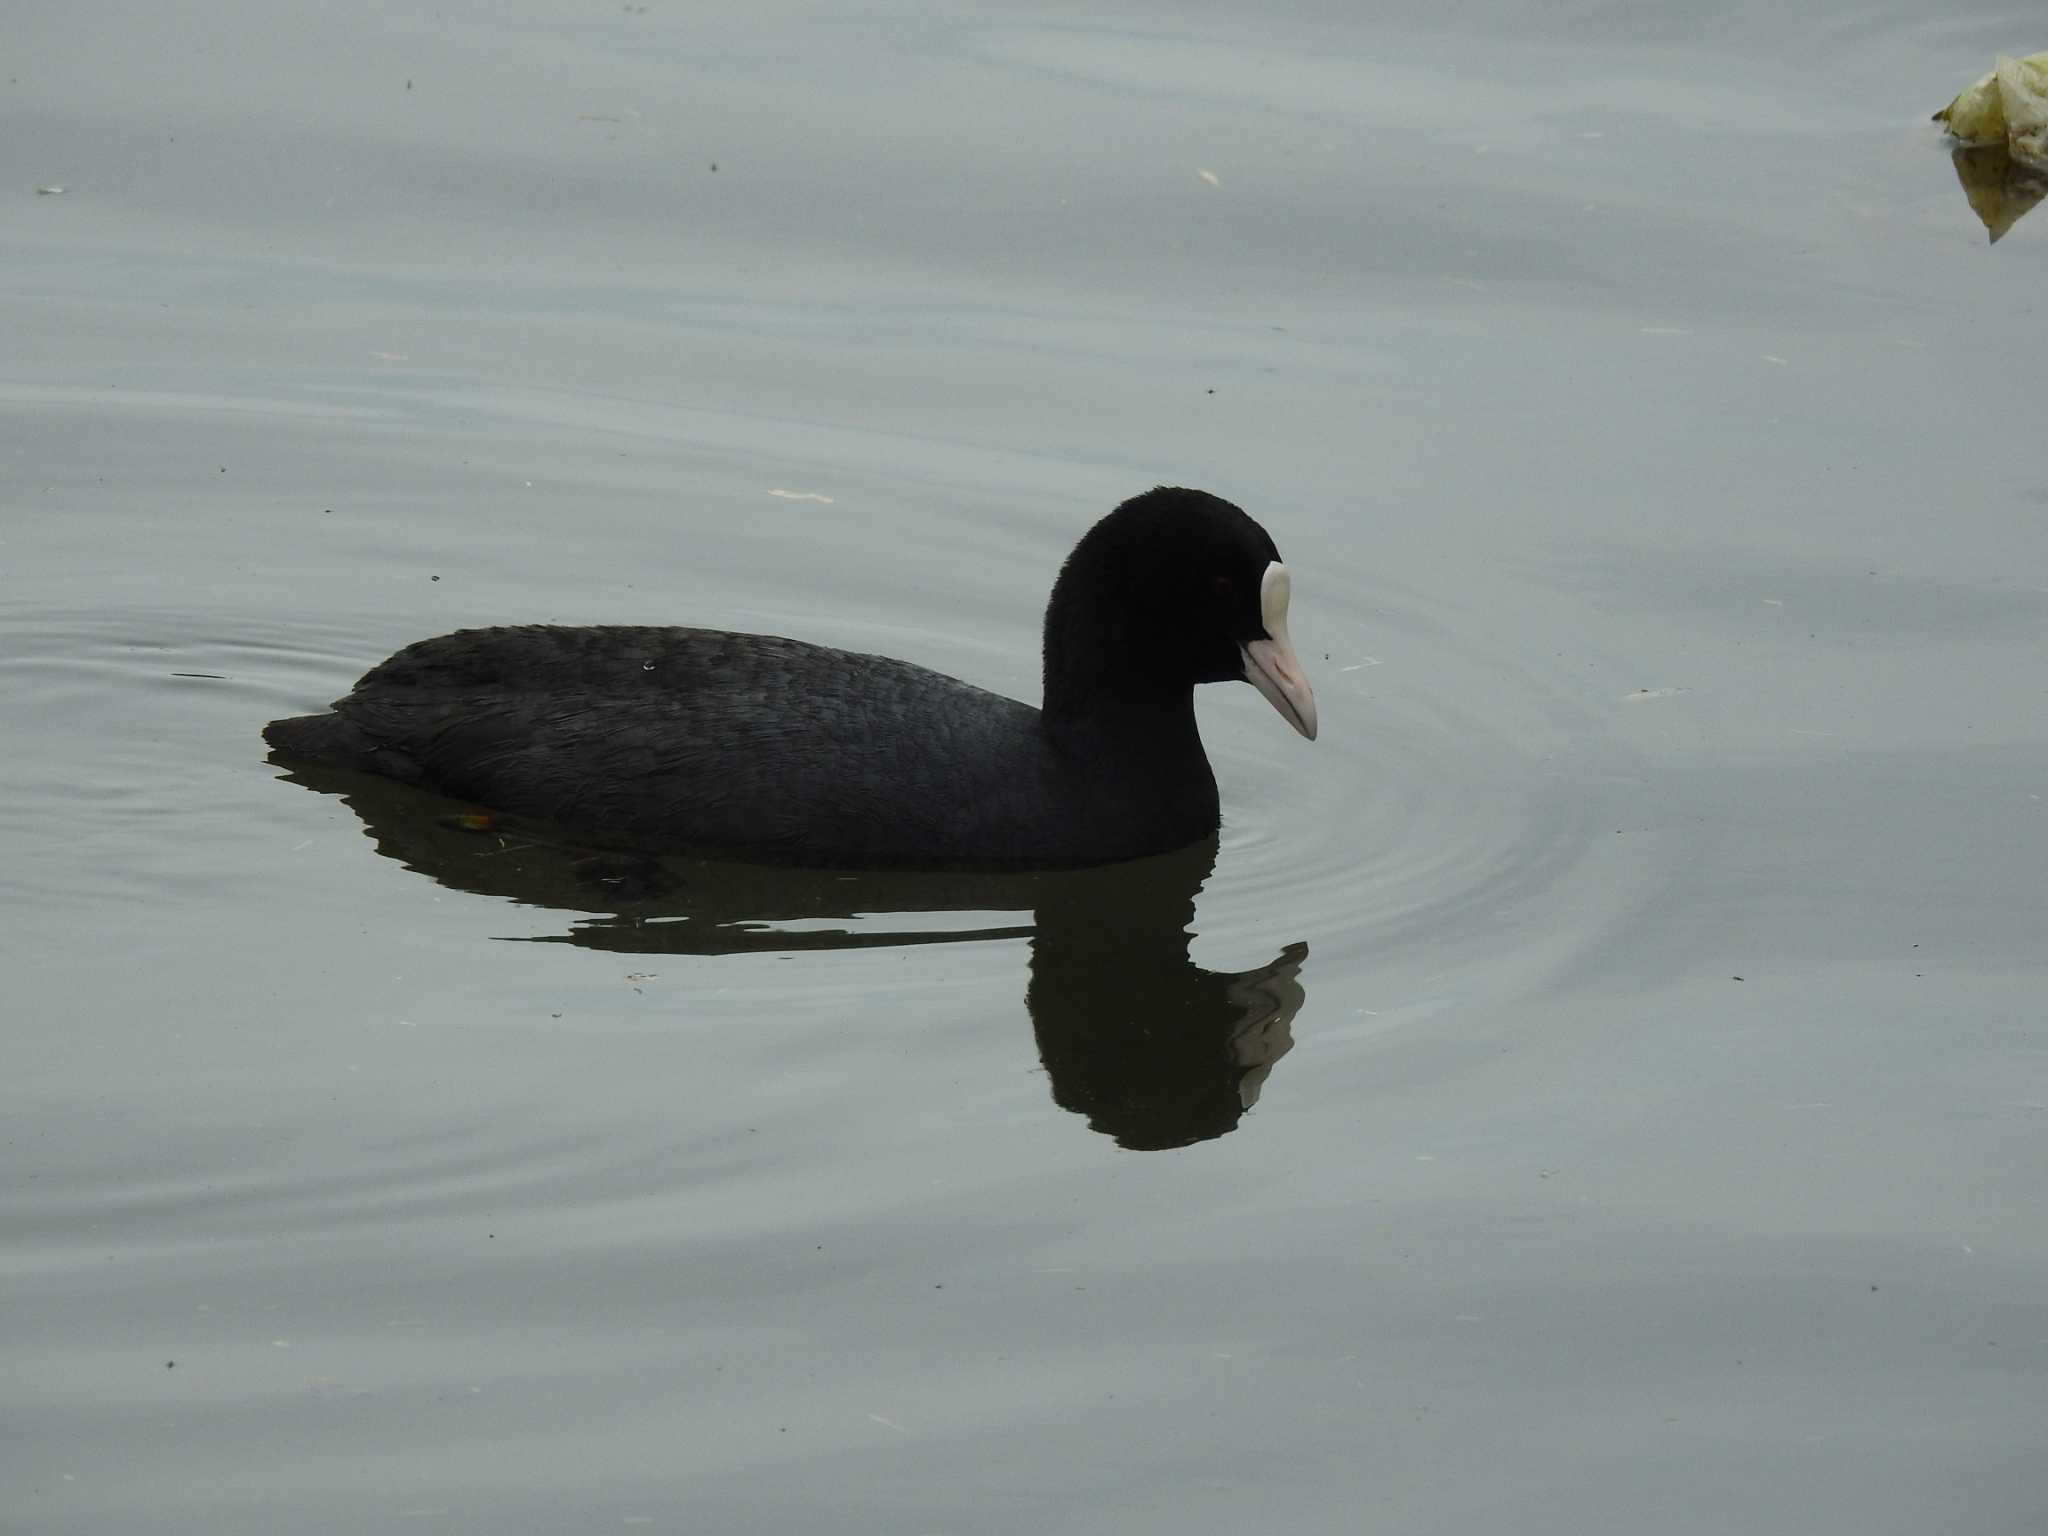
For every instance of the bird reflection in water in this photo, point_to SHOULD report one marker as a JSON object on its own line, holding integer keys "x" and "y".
{"x": 1152, "y": 1049}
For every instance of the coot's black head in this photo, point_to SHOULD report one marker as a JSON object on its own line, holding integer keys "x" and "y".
{"x": 1173, "y": 588}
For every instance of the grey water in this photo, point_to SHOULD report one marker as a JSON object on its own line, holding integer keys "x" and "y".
{"x": 1599, "y": 1085}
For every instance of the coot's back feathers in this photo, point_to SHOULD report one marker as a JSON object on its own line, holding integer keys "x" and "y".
{"x": 669, "y": 738}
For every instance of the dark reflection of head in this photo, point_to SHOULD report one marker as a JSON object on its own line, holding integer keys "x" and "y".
{"x": 1154, "y": 1051}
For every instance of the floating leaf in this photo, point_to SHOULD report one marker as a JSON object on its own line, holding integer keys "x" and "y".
{"x": 2009, "y": 106}
{"x": 2001, "y": 125}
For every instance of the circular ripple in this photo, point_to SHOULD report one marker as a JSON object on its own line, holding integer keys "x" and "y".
{"x": 1449, "y": 818}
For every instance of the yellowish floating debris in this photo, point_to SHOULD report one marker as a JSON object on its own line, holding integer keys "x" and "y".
{"x": 2009, "y": 106}
{"x": 2001, "y": 128}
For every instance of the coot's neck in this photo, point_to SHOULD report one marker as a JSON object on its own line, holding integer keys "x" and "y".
{"x": 1104, "y": 677}
{"x": 1119, "y": 686}
{"x": 1135, "y": 757}
{"x": 1119, "y": 705}
{"x": 1136, "y": 718}
{"x": 1135, "y": 729}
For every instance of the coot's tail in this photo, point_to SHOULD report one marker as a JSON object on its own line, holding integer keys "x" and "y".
{"x": 323, "y": 738}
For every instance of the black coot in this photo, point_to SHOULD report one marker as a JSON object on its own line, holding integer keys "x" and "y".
{"x": 664, "y": 739}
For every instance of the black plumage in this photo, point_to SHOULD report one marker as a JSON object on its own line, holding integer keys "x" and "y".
{"x": 665, "y": 739}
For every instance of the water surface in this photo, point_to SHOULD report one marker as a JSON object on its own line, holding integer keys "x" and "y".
{"x": 1598, "y": 1085}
